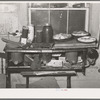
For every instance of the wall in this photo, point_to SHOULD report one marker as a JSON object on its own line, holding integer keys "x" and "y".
{"x": 12, "y": 21}
{"x": 23, "y": 15}
{"x": 94, "y": 19}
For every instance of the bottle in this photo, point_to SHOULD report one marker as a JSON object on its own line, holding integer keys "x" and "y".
{"x": 31, "y": 33}
{"x": 24, "y": 36}
{"x": 47, "y": 33}
{"x": 39, "y": 36}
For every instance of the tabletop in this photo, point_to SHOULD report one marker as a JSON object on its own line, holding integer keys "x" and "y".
{"x": 58, "y": 46}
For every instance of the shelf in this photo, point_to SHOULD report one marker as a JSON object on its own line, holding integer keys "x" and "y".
{"x": 76, "y": 67}
{"x": 49, "y": 73}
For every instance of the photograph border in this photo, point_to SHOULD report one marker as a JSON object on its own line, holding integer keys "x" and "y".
{"x": 56, "y": 94}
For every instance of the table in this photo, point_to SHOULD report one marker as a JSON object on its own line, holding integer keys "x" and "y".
{"x": 58, "y": 47}
{"x": 29, "y": 74}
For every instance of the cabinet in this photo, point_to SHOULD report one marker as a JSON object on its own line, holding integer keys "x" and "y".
{"x": 63, "y": 19}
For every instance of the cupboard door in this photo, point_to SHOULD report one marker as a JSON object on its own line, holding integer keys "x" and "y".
{"x": 76, "y": 20}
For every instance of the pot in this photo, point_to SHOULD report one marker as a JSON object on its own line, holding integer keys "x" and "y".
{"x": 16, "y": 58}
{"x": 72, "y": 57}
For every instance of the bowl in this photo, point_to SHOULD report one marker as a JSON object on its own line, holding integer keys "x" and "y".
{"x": 62, "y": 36}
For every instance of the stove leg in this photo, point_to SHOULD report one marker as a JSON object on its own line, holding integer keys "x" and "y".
{"x": 27, "y": 82}
{"x": 68, "y": 81}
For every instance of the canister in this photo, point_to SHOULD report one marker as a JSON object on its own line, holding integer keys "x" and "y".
{"x": 39, "y": 36}
{"x": 47, "y": 33}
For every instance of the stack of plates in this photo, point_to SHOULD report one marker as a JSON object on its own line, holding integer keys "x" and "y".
{"x": 87, "y": 39}
{"x": 83, "y": 36}
{"x": 80, "y": 33}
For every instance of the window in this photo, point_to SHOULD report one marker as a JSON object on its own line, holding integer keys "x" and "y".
{"x": 64, "y": 17}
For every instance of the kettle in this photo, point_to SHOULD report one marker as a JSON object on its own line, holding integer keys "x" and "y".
{"x": 47, "y": 33}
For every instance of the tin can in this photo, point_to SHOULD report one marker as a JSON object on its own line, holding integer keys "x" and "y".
{"x": 25, "y": 31}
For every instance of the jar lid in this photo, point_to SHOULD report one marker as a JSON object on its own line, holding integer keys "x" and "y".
{"x": 47, "y": 24}
{"x": 39, "y": 31}
{"x": 25, "y": 27}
